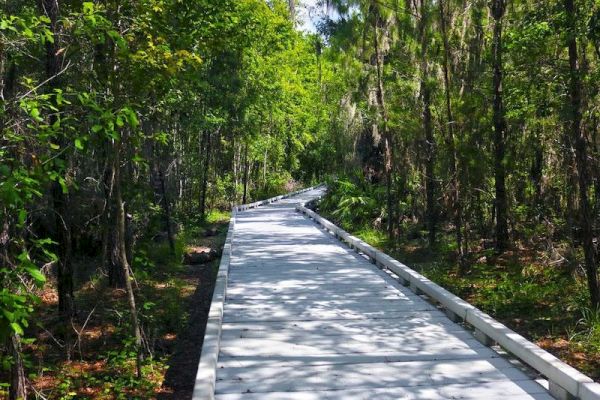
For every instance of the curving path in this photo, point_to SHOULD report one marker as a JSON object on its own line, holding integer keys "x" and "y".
{"x": 305, "y": 317}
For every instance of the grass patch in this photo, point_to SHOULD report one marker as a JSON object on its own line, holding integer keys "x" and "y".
{"x": 218, "y": 216}
{"x": 374, "y": 237}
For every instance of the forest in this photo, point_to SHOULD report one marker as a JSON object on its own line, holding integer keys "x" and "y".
{"x": 460, "y": 136}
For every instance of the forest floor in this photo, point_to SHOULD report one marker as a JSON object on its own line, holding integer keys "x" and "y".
{"x": 173, "y": 302}
{"x": 543, "y": 300}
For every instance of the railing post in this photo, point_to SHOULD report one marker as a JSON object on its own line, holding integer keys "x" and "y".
{"x": 415, "y": 289}
{"x": 558, "y": 392}
{"x": 452, "y": 316}
{"x": 403, "y": 281}
{"x": 483, "y": 338}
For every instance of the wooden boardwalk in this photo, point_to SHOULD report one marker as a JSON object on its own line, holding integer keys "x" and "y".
{"x": 305, "y": 317}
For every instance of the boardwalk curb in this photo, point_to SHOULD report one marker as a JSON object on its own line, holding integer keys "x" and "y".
{"x": 565, "y": 381}
{"x": 204, "y": 385}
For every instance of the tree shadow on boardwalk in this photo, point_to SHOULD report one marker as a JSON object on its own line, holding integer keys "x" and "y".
{"x": 183, "y": 365}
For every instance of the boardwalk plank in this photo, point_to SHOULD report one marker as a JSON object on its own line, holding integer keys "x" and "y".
{"x": 522, "y": 390}
{"x": 415, "y": 325}
{"x": 372, "y": 375}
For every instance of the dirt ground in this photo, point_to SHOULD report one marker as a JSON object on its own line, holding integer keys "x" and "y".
{"x": 183, "y": 364}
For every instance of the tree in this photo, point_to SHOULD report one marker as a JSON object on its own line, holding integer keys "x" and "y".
{"x": 581, "y": 155}
{"x": 497, "y": 9}
{"x": 453, "y": 163}
{"x": 60, "y": 198}
{"x": 429, "y": 139}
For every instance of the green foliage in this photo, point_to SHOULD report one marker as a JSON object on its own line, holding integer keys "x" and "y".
{"x": 216, "y": 216}
{"x": 275, "y": 184}
{"x": 351, "y": 204}
{"x": 375, "y": 237}
{"x": 588, "y": 330}
{"x": 21, "y": 185}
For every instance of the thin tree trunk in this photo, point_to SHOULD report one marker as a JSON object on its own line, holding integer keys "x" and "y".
{"x": 237, "y": 155}
{"x": 122, "y": 254}
{"x": 537, "y": 169}
{"x": 167, "y": 210}
{"x": 60, "y": 199}
{"x": 387, "y": 139}
{"x": 102, "y": 69}
{"x": 264, "y": 178}
{"x": 427, "y": 128}
{"x": 595, "y": 150}
{"x": 498, "y": 8}
{"x": 116, "y": 278}
{"x": 107, "y": 217}
{"x": 18, "y": 384}
{"x": 157, "y": 181}
{"x": 292, "y": 10}
{"x": 205, "y": 175}
{"x": 246, "y": 168}
{"x": 581, "y": 157}
{"x": 454, "y": 181}
{"x": 319, "y": 52}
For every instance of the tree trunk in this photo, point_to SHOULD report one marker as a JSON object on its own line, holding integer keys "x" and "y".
{"x": 205, "y": 175}
{"x": 157, "y": 178}
{"x": 264, "y": 177}
{"x": 64, "y": 279}
{"x": 246, "y": 168}
{"x": 103, "y": 68}
{"x": 18, "y": 384}
{"x": 430, "y": 155}
{"x": 454, "y": 181}
{"x": 122, "y": 255}
{"x": 498, "y": 8}
{"x": 387, "y": 138}
{"x": 167, "y": 210}
{"x": 60, "y": 199}
{"x": 292, "y": 10}
{"x": 581, "y": 157}
{"x": 595, "y": 150}
{"x": 537, "y": 170}
{"x": 116, "y": 278}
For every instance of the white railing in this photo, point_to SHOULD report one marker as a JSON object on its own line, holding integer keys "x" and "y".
{"x": 204, "y": 386}
{"x": 565, "y": 382}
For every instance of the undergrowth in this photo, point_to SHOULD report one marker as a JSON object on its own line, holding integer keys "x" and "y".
{"x": 102, "y": 364}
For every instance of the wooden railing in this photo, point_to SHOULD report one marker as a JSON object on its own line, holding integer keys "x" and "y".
{"x": 204, "y": 386}
{"x": 565, "y": 382}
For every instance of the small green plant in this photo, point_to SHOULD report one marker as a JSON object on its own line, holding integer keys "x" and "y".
{"x": 352, "y": 205}
{"x": 374, "y": 237}
{"x": 215, "y": 216}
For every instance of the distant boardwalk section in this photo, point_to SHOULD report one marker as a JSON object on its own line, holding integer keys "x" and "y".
{"x": 298, "y": 314}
